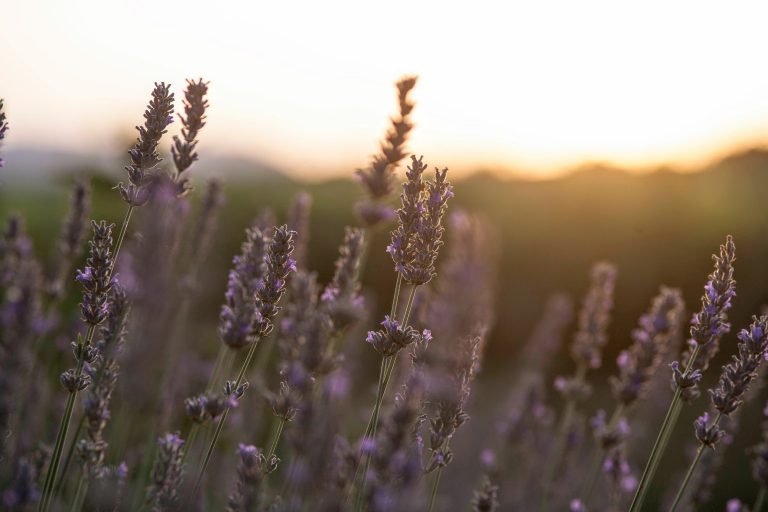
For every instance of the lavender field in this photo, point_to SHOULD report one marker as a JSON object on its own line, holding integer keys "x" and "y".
{"x": 394, "y": 340}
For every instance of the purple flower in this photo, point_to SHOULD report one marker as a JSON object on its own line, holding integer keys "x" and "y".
{"x": 594, "y": 317}
{"x": 144, "y": 156}
{"x": 711, "y": 322}
{"x": 737, "y": 375}
{"x": 649, "y": 342}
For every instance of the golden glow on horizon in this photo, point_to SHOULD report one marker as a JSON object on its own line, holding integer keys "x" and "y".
{"x": 528, "y": 87}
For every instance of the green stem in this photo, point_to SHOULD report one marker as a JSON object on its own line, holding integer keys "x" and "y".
{"x": 597, "y": 462}
{"x": 660, "y": 445}
{"x": 370, "y": 430}
{"x": 70, "y": 453}
{"x": 82, "y": 491}
{"x": 222, "y": 420}
{"x": 409, "y": 306}
{"x": 760, "y": 501}
{"x": 277, "y": 431}
{"x": 435, "y": 485}
{"x": 61, "y": 436}
{"x": 191, "y": 438}
{"x": 688, "y": 474}
{"x": 562, "y": 434}
{"x": 396, "y": 295}
{"x": 121, "y": 237}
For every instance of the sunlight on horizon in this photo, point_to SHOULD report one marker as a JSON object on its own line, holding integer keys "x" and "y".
{"x": 532, "y": 87}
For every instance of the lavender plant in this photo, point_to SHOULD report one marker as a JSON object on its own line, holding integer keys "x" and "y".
{"x": 414, "y": 248}
{"x": 728, "y": 396}
{"x": 69, "y": 246}
{"x": 252, "y": 468}
{"x": 162, "y": 494}
{"x": 279, "y": 266}
{"x": 588, "y": 342}
{"x": 650, "y": 341}
{"x": 378, "y": 179}
{"x": 96, "y": 280}
{"x": 707, "y": 327}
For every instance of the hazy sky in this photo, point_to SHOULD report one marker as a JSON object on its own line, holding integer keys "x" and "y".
{"x": 308, "y": 86}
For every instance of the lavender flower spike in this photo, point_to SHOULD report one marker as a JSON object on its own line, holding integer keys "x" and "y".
{"x": 144, "y": 155}
{"x": 96, "y": 277}
{"x": 649, "y": 342}
{"x": 238, "y": 313}
{"x": 418, "y": 237}
{"x": 183, "y": 149}
{"x": 378, "y": 179}
{"x": 742, "y": 370}
{"x": 251, "y": 471}
{"x": 280, "y": 264}
{"x": 162, "y": 494}
{"x": 595, "y": 316}
{"x": 711, "y": 323}
{"x": 341, "y": 299}
{"x": 71, "y": 237}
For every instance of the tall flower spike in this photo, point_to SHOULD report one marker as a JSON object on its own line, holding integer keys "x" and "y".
{"x": 96, "y": 278}
{"x": 246, "y": 277}
{"x": 71, "y": 237}
{"x": 184, "y": 147}
{"x": 3, "y": 127}
{"x": 418, "y": 237}
{"x": 737, "y": 375}
{"x": 92, "y": 448}
{"x": 341, "y": 299}
{"x": 144, "y": 156}
{"x": 162, "y": 494}
{"x": 280, "y": 264}
{"x": 595, "y": 316}
{"x": 378, "y": 179}
{"x": 650, "y": 341}
{"x": 205, "y": 225}
{"x": 711, "y": 323}
{"x": 252, "y": 468}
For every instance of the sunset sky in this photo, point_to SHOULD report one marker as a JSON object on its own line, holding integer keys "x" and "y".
{"x": 524, "y": 87}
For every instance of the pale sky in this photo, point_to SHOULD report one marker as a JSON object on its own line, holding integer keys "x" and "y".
{"x": 532, "y": 87}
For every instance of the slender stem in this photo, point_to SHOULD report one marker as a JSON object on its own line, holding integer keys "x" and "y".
{"x": 597, "y": 461}
{"x": 660, "y": 445}
{"x": 222, "y": 420}
{"x": 369, "y": 429}
{"x": 760, "y": 500}
{"x": 61, "y": 436}
{"x": 688, "y": 474}
{"x": 82, "y": 491}
{"x": 396, "y": 295}
{"x": 562, "y": 434}
{"x": 277, "y": 431}
{"x": 70, "y": 453}
{"x": 51, "y": 475}
{"x": 121, "y": 237}
{"x": 409, "y": 306}
{"x": 435, "y": 485}
{"x": 191, "y": 438}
